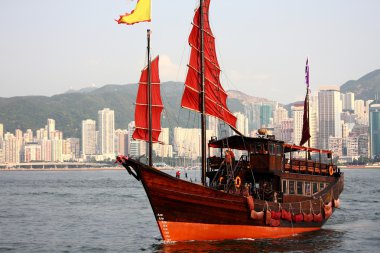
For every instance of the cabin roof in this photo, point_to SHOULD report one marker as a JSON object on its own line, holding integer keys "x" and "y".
{"x": 243, "y": 143}
{"x": 292, "y": 147}
{"x": 239, "y": 142}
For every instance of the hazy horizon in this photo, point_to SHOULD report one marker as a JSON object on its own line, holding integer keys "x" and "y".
{"x": 50, "y": 47}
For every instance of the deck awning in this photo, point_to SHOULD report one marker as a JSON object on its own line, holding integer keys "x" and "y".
{"x": 292, "y": 147}
{"x": 244, "y": 143}
{"x": 239, "y": 142}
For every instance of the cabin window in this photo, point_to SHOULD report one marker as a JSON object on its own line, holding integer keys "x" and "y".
{"x": 284, "y": 186}
{"x": 265, "y": 148}
{"x": 307, "y": 189}
{"x": 291, "y": 187}
{"x": 279, "y": 150}
{"x": 315, "y": 187}
{"x": 258, "y": 148}
{"x": 300, "y": 188}
{"x": 321, "y": 186}
{"x": 271, "y": 149}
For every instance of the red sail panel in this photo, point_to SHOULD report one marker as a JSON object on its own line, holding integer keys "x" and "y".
{"x": 215, "y": 95}
{"x": 142, "y": 109}
{"x": 306, "y": 127}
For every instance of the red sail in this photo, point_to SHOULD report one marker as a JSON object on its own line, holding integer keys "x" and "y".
{"x": 215, "y": 96}
{"x": 306, "y": 127}
{"x": 142, "y": 109}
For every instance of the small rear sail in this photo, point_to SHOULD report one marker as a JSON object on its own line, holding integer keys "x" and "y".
{"x": 215, "y": 96}
{"x": 306, "y": 126}
{"x": 142, "y": 108}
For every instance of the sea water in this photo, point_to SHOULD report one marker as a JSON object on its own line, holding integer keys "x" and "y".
{"x": 108, "y": 211}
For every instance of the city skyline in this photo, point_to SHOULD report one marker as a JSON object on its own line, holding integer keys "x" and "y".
{"x": 269, "y": 46}
{"x": 338, "y": 122}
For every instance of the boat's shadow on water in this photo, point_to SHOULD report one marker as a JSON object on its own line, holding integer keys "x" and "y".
{"x": 322, "y": 240}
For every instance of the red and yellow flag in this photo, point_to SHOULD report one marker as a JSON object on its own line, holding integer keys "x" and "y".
{"x": 140, "y": 14}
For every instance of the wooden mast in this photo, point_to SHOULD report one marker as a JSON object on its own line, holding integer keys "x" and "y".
{"x": 202, "y": 109}
{"x": 149, "y": 101}
{"x": 308, "y": 107}
{"x": 308, "y": 114}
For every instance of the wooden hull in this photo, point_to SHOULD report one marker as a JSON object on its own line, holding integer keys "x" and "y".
{"x": 183, "y": 231}
{"x": 187, "y": 211}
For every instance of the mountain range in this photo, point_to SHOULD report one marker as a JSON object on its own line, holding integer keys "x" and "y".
{"x": 70, "y": 108}
{"x": 365, "y": 88}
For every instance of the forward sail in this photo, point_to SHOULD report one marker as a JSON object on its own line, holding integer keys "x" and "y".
{"x": 142, "y": 108}
{"x": 215, "y": 95}
{"x": 306, "y": 126}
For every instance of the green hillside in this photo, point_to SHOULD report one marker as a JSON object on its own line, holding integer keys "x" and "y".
{"x": 71, "y": 108}
{"x": 366, "y": 87}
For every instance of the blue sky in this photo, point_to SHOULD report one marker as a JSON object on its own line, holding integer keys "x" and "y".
{"x": 48, "y": 47}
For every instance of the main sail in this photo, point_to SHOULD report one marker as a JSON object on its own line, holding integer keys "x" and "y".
{"x": 142, "y": 108}
{"x": 215, "y": 96}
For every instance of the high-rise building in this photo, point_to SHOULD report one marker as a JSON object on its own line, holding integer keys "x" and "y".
{"x": 187, "y": 141}
{"x": 46, "y": 150}
{"x": 266, "y": 114}
{"x": 74, "y": 147}
{"x": 50, "y": 128}
{"x": 135, "y": 147}
{"x": 1, "y": 131}
{"x": 32, "y": 152}
{"x": 241, "y": 123}
{"x": 367, "y": 103}
{"x": 56, "y": 135}
{"x": 374, "y": 128}
{"x": 252, "y": 110}
{"x": 363, "y": 145}
{"x": 313, "y": 119}
{"x": 352, "y": 147}
{"x": 28, "y": 135}
{"x": 348, "y": 101}
{"x": 163, "y": 149}
{"x": 360, "y": 112}
{"x": 12, "y": 148}
{"x": 297, "y": 115}
{"x": 279, "y": 115}
{"x": 18, "y": 134}
{"x": 1, "y": 143}
{"x": 107, "y": 132}
{"x": 121, "y": 141}
{"x": 329, "y": 110}
{"x": 88, "y": 137}
{"x": 284, "y": 131}
{"x": 213, "y": 125}
{"x": 42, "y": 134}
{"x": 56, "y": 150}
{"x": 335, "y": 144}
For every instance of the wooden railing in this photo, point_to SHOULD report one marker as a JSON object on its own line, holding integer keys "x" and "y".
{"x": 309, "y": 167}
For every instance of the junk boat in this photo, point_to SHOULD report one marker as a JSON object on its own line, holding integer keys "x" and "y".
{"x": 271, "y": 189}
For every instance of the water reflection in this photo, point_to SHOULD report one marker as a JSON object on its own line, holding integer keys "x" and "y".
{"x": 323, "y": 240}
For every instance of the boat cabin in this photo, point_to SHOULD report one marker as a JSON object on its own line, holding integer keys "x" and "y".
{"x": 268, "y": 169}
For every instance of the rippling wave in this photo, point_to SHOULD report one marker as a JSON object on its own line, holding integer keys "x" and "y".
{"x": 108, "y": 211}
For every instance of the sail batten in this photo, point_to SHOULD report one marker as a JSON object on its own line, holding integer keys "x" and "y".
{"x": 215, "y": 95}
{"x": 142, "y": 105}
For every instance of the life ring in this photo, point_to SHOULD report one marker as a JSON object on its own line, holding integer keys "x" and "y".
{"x": 331, "y": 170}
{"x": 237, "y": 182}
{"x": 220, "y": 180}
